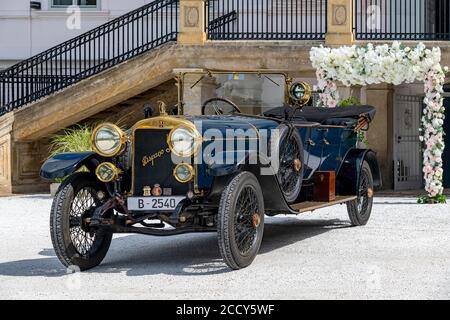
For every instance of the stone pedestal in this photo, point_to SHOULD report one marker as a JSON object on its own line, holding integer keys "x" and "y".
{"x": 340, "y": 26}
{"x": 197, "y": 93}
{"x": 346, "y": 92}
{"x": 192, "y": 22}
{"x": 20, "y": 162}
{"x": 381, "y": 129}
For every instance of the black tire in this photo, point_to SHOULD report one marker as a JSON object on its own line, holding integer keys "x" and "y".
{"x": 241, "y": 221}
{"x": 290, "y": 150}
{"x": 359, "y": 210}
{"x": 73, "y": 245}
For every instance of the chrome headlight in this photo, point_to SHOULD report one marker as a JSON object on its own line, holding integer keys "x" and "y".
{"x": 183, "y": 172}
{"x": 184, "y": 142}
{"x": 108, "y": 140}
{"x": 107, "y": 172}
{"x": 300, "y": 93}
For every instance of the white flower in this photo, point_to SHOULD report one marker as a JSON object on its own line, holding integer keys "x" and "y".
{"x": 437, "y": 123}
{"x": 391, "y": 64}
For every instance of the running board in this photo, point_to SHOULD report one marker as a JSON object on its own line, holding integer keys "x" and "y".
{"x": 311, "y": 206}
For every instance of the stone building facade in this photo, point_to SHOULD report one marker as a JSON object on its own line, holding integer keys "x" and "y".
{"x": 215, "y": 34}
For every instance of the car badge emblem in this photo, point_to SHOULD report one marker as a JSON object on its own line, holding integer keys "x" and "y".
{"x": 147, "y": 191}
{"x": 157, "y": 190}
{"x": 146, "y": 160}
{"x": 167, "y": 191}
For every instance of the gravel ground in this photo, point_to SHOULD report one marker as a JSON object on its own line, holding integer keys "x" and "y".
{"x": 403, "y": 253}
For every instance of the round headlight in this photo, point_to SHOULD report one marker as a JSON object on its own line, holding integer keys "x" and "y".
{"x": 107, "y": 172}
{"x": 183, "y": 141}
{"x": 183, "y": 172}
{"x": 108, "y": 140}
{"x": 300, "y": 93}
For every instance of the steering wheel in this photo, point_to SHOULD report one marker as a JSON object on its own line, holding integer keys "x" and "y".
{"x": 215, "y": 103}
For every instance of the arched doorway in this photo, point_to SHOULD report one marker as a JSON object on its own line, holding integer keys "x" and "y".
{"x": 393, "y": 64}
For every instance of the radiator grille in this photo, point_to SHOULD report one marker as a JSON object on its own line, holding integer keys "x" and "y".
{"x": 153, "y": 163}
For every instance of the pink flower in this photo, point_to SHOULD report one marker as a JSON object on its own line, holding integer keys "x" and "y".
{"x": 428, "y": 169}
{"x": 435, "y": 106}
{"x": 428, "y": 86}
{"x": 332, "y": 103}
{"x": 319, "y": 74}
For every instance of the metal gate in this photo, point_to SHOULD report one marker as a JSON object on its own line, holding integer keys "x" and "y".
{"x": 407, "y": 146}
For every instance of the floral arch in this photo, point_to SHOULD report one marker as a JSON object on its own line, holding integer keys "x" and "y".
{"x": 395, "y": 64}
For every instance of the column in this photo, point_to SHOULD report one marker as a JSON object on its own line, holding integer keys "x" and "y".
{"x": 380, "y": 135}
{"x": 340, "y": 23}
{"x": 192, "y": 22}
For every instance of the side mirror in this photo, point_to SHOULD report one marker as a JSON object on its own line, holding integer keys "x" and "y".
{"x": 148, "y": 111}
{"x": 300, "y": 94}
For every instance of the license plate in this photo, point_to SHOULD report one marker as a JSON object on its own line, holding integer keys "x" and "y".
{"x": 154, "y": 203}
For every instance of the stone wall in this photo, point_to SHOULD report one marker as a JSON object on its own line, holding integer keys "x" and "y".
{"x": 121, "y": 92}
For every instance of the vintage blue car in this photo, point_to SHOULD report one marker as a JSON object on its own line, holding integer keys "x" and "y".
{"x": 236, "y": 147}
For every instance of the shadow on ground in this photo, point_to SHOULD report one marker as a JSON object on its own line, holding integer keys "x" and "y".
{"x": 193, "y": 254}
{"x": 408, "y": 203}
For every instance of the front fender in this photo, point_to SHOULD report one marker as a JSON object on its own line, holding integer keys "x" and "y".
{"x": 274, "y": 201}
{"x": 64, "y": 164}
{"x": 347, "y": 179}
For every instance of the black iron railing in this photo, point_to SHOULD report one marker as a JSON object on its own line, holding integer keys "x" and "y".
{"x": 267, "y": 19}
{"x": 88, "y": 54}
{"x": 402, "y": 19}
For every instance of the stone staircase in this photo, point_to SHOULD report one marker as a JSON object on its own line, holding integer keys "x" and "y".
{"x": 114, "y": 87}
{"x": 120, "y": 93}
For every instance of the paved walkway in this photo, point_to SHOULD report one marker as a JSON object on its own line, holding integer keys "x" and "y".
{"x": 404, "y": 253}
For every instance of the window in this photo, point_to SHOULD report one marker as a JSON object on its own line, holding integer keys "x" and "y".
{"x": 81, "y": 3}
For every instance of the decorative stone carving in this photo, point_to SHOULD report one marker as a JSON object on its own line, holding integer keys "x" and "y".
{"x": 28, "y": 159}
{"x": 191, "y": 17}
{"x": 339, "y": 15}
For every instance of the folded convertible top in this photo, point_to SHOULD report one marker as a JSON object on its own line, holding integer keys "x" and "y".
{"x": 321, "y": 115}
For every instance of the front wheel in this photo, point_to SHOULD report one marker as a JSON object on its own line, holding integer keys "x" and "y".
{"x": 359, "y": 210}
{"x": 241, "y": 221}
{"x": 74, "y": 244}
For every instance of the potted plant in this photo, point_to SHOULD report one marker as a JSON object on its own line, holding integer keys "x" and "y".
{"x": 74, "y": 139}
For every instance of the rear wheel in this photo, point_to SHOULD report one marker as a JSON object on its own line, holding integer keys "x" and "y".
{"x": 359, "y": 210}
{"x": 241, "y": 221}
{"x": 74, "y": 244}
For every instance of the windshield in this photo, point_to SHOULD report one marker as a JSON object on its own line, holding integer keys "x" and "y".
{"x": 252, "y": 93}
